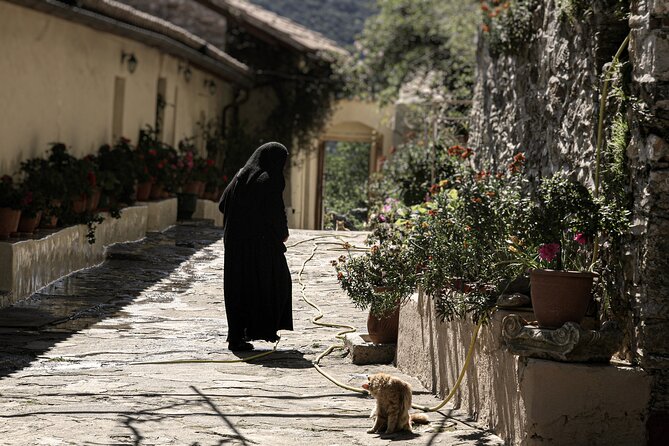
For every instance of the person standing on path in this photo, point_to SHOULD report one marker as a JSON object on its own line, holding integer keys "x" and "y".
{"x": 257, "y": 286}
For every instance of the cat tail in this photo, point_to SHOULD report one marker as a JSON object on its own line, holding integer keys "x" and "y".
{"x": 419, "y": 418}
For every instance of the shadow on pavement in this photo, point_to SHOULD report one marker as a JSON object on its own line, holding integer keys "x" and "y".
{"x": 280, "y": 359}
{"x": 31, "y": 327}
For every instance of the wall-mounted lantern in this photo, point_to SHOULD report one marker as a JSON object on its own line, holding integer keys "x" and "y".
{"x": 130, "y": 59}
{"x": 185, "y": 69}
{"x": 210, "y": 85}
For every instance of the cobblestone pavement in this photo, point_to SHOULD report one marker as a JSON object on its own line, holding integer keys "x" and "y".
{"x": 66, "y": 358}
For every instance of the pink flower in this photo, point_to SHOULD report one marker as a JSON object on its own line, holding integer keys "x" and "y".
{"x": 580, "y": 238}
{"x": 549, "y": 251}
{"x": 387, "y": 208}
{"x": 382, "y": 218}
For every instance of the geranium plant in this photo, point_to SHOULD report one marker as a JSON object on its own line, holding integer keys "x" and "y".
{"x": 10, "y": 196}
{"x": 565, "y": 223}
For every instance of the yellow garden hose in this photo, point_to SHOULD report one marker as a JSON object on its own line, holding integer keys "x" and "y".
{"x": 340, "y": 335}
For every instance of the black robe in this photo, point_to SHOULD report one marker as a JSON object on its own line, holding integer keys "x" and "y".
{"x": 257, "y": 284}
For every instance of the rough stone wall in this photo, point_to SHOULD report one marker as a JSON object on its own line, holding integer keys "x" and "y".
{"x": 189, "y": 15}
{"x": 648, "y": 154}
{"x": 544, "y": 101}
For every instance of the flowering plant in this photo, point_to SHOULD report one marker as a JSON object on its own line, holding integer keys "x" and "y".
{"x": 9, "y": 194}
{"x": 381, "y": 279}
{"x": 566, "y": 222}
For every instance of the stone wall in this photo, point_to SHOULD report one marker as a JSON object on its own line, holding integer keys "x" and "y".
{"x": 647, "y": 280}
{"x": 543, "y": 101}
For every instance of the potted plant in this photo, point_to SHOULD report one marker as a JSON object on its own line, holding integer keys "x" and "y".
{"x": 566, "y": 223}
{"x": 381, "y": 280}
{"x": 45, "y": 180}
{"x": 10, "y": 207}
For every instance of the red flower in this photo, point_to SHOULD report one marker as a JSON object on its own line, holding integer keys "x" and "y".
{"x": 160, "y": 165}
{"x": 153, "y": 152}
{"x": 225, "y": 178}
{"x": 580, "y": 238}
{"x": 549, "y": 251}
{"x": 27, "y": 199}
{"x": 210, "y": 162}
{"x": 92, "y": 179}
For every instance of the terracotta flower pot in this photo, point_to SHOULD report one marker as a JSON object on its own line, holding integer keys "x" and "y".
{"x": 143, "y": 191}
{"x": 9, "y": 221}
{"x": 94, "y": 199}
{"x": 157, "y": 191}
{"x": 384, "y": 330}
{"x": 27, "y": 225}
{"x": 50, "y": 218}
{"x": 79, "y": 204}
{"x": 560, "y": 296}
{"x": 193, "y": 187}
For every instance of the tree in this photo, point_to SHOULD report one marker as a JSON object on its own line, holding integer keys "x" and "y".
{"x": 413, "y": 39}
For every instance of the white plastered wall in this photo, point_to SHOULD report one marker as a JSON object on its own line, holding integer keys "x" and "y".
{"x": 57, "y": 83}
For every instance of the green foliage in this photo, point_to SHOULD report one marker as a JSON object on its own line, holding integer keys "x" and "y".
{"x": 507, "y": 25}
{"x": 305, "y": 88}
{"x": 340, "y": 20}
{"x": 345, "y": 177}
{"x": 380, "y": 279}
{"x": 10, "y": 196}
{"x": 411, "y": 39}
{"x": 410, "y": 171}
{"x": 565, "y": 221}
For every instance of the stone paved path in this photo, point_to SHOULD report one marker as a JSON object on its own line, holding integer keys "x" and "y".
{"x": 67, "y": 374}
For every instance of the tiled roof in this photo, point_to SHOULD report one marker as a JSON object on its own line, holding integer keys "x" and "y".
{"x": 274, "y": 26}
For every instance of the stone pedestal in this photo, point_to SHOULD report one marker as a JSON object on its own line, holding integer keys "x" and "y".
{"x": 364, "y": 351}
{"x": 569, "y": 343}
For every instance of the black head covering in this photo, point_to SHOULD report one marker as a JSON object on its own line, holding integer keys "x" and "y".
{"x": 269, "y": 158}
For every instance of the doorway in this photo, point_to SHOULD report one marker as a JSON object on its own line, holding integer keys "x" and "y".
{"x": 344, "y": 197}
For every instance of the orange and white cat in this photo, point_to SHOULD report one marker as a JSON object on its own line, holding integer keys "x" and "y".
{"x": 393, "y": 401}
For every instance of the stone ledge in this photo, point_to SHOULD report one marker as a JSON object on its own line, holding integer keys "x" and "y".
{"x": 208, "y": 210}
{"x": 525, "y": 401}
{"x": 161, "y": 214}
{"x": 30, "y": 263}
{"x": 363, "y": 351}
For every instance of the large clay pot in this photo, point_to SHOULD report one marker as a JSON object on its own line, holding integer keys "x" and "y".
{"x": 186, "y": 205}
{"x": 27, "y": 225}
{"x": 9, "y": 221}
{"x": 560, "y": 296}
{"x": 384, "y": 330}
{"x": 143, "y": 191}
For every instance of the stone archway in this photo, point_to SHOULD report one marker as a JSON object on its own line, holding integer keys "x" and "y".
{"x": 352, "y": 121}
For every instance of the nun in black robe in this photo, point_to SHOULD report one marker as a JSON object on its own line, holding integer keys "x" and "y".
{"x": 257, "y": 284}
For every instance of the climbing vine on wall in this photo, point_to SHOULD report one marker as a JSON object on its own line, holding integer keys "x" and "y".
{"x": 305, "y": 86}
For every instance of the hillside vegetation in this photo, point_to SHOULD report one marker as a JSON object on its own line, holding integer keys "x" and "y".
{"x": 340, "y": 20}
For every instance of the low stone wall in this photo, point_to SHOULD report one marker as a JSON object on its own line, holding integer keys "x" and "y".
{"x": 28, "y": 264}
{"x": 207, "y": 209}
{"x": 161, "y": 214}
{"x": 524, "y": 401}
